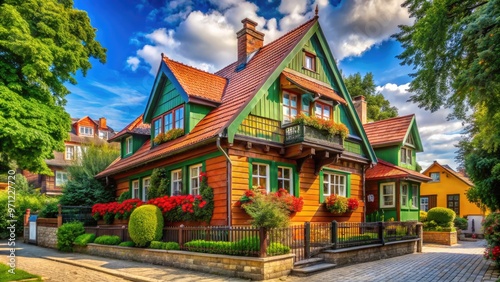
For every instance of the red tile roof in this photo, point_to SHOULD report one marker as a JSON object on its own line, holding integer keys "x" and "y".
{"x": 241, "y": 87}
{"x": 385, "y": 170}
{"x": 196, "y": 82}
{"x": 135, "y": 127}
{"x": 388, "y": 131}
{"x": 313, "y": 86}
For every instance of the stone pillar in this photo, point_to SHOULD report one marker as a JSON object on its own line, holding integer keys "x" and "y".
{"x": 420, "y": 234}
{"x": 59, "y": 216}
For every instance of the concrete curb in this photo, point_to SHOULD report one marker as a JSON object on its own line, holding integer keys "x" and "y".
{"x": 116, "y": 273}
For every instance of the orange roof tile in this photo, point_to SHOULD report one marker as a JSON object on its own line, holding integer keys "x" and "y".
{"x": 196, "y": 82}
{"x": 384, "y": 170}
{"x": 388, "y": 131}
{"x": 310, "y": 85}
{"x": 241, "y": 87}
{"x": 135, "y": 127}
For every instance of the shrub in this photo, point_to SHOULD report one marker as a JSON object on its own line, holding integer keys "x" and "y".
{"x": 265, "y": 212}
{"x": 276, "y": 249}
{"x": 159, "y": 183}
{"x": 156, "y": 245}
{"x": 127, "y": 244}
{"x": 164, "y": 245}
{"x": 50, "y": 210}
{"x": 442, "y": 216}
{"x": 84, "y": 239}
{"x": 124, "y": 196}
{"x": 245, "y": 247}
{"x": 491, "y": 226}
{"x": 66, "y": 235}
{"x": 336, "y": 204}
{"x": 461, "y": 223}
{"x": 145, "y": 225}
{"x": 108, "y": 240}
{"x": 423, "y": 216}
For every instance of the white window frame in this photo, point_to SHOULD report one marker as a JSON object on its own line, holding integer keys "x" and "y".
{"x": 194, "y": 179}
{"x": 435, "y": 173}
{"x": 135, "y": 189}
{"x": 414, "y": 196}
{"x": 103, "y": 134}
{"x": 72, "y": 157}
{"x": 424, "y": 206}
{"x": 258, "y": 177}
{"x": 146, "y": 181}
{"x": 283, "y": 179}
{"x": 128, "y": 145}
{"x": 176, "y": 182}
{"x": 336, "y": 184}
{"x": 61, "y": 178}
{"x": 404, "y": 194}
{"x": 86, "y": 131}
{"x": 383, "y": 195}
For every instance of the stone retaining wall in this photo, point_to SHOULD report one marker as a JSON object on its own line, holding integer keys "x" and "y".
{"x": 442, "y": 238}
{"x": 46, "y": 232}
{"x": 370, "y": 252}
{"x": 232, "y": 266}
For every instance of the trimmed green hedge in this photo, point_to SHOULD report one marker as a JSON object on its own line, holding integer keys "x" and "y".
{"x": 145, "y": 225}
{"x": 245, "y": 247}
{"x": 164, "y": 245}
{"x": 127, "y": 244}
{"x": 442, "y": 216}
{"x": 108, "y": 240}
{"x": 84, "y": 239}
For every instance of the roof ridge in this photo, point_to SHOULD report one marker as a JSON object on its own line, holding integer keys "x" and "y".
{"x": 389, "y": 119}
{"x": 191, "y": 67}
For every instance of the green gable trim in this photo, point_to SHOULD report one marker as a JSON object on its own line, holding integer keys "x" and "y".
{"x": 413, "y": 130}
{"x": 335, "y": 171}
{"x": 233, "y": 126}
{"x": 163, "y": 74}
{"x": 273, "y": 174}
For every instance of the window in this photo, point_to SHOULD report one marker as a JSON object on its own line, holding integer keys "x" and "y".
{"x": 179, "y": 117}
{"x": 414, "y": 196}
{"x": 145, "y": 187}
{"x": 388, "y": 195}
{"x": 260, "y": 176}
{"x": 176, "y": 182}
{"x": 135, "y": 189}
{"x": 404, "y": 195}
{"x": 103, "y": 134}
{"x": 194, "y": 188}
{"x": 285, "y": 179}
{"x": 309, "y": 61}
{"x": 424, "y": 204}
{"x": 70, "y": 153}
{"x": 323, "y": 110}
{"x": 61, "y": 178}
{"x": 79, "y": 151}
{"x": 169, "y": 123}
{"x": 406, "y": 156}
{"x": 453, "y": 203}
{"x": 87, "y": 131}
{"x": 157, "y": 127}
{"x": 334, "y": 184}
{"x": 128, "y": 143}
{"x": 410, "y": 140}
{"x": 289, "y": 107}
{"x": 435, "y": 176}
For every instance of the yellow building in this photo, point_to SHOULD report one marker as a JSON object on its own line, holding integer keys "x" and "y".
{"x": 447, "y": 189}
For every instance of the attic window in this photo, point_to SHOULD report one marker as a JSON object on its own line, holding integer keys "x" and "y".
{"x": 86, "y": 131}
{"x": 410, "y": 140}
{"x": 309, "y": 61}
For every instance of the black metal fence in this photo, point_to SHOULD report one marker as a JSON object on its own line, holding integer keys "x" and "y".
{"x": 77, "y": 213}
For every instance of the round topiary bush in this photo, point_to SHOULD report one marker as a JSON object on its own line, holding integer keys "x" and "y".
{"x": 442, "y": 216}
{"x": 423, "y": 216}
{"x": 145, "y": 225}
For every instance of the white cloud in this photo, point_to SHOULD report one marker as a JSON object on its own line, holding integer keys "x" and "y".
{"x": 133, "y": 63}
{"x": 439, "y": 136}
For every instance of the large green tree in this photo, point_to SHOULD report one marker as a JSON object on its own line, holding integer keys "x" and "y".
{"x": 43, "y": 43}
{"x": 378, "y": 108}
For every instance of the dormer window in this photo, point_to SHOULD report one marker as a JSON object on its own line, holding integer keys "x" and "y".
{"x": 179, "y": 117}
{"x": 157, "y": 126}
{"x": 128, "y": 143}
{"x": 86, "y": 131}
{"x": 406, "y": 156}
{"x": 173, "y": 119}
{"x": 168, "y": 121}
{"x": 309, "y": 61}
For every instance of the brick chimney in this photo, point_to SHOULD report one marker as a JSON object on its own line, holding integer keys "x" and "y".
{"x": 249, "y": 40}
{"x": 102, "y": 123}
{"x": 360, "y": 106}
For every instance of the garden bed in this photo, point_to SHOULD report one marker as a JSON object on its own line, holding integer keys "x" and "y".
{"x": 441, "y": 237}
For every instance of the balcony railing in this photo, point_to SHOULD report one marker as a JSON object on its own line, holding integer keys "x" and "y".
{"x": 263, "y": 128}
{"x": 299, "y": 133}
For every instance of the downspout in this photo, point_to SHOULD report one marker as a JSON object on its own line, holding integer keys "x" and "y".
{"x": 363, "y": 173}
{"x": 229, "y": 176}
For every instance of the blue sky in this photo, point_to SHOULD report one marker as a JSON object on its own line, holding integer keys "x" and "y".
{"x": 203, "y": 34}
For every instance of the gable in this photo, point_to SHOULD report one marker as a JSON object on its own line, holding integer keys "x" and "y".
{"x": 412, "y": 137}
{"x": 168, "y": 98}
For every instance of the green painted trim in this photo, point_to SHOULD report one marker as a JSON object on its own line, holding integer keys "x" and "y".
{"x": 273, "y": 174}
{"x": 296, "y": 186}
{"x": 347, "y": 182}
{"x": 187, "y": 117}
{"x": 235, "y": 123}
{"x": 347, "y": 97}
{"x": 321, "y": 179}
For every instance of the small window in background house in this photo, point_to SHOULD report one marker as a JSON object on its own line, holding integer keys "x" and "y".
{"x": 435, "y": 176}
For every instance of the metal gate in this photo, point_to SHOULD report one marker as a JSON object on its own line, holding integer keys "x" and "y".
{"x": 32, "y": 225}
{"x": 310, "y": 239}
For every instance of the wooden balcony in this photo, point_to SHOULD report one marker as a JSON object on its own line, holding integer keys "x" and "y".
{"x": 299, "y": 133}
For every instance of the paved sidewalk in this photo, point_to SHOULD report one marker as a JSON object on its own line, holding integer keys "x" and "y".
{"x": 462, "y": 262}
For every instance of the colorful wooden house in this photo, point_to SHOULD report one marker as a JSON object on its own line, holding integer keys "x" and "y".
{"x": 393, "y": 185}
{"x": 236, "y": 126}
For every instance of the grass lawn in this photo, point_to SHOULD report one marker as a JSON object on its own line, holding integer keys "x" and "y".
{"x": 5, "y": 275}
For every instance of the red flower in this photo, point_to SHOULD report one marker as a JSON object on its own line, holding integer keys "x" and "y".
{"x": 352, "y": 204}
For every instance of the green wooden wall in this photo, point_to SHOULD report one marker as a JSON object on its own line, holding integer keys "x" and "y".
{"x": 269, "y": 106}
{"x": 346, "y": 120}
{"x": 195, "y": 114}
{"x": 388, "y": 154}
{"x": 137, "y": 142}
{"x": 168, "y": 99}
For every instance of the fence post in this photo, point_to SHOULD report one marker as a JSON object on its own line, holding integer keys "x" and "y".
{"x": 335, "y": 234}
{"x": 420, "y": 235}
{"x": 263, "y": 242}
{"x": 123, "y": 233}
{"x": 307, "y": 239}
{"x": 59, "y": 215}
{"x": 381, "y": 232}
{"x": 27, "y": 217}
{"x": 180, "y": 235}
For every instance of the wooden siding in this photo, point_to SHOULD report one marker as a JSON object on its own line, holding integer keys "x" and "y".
{"x": 270, "y": 105}
{"x": 122, "y": 186}
{"x": 87, "y": 122}
{"x": 322, "y": 73}
{"x": 168, "y": 99}
{"x": 346, "y": 119}
{"x": 195, "y": 113}
{"x": 313, "y": 210}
